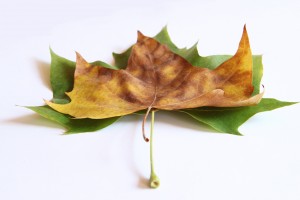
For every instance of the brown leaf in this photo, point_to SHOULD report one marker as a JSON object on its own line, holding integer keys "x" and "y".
{"x": 157, "y": 78}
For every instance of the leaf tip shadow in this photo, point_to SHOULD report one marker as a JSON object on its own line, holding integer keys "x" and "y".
{"x": 33, "y": 120}
{"x": 43, "y": 69}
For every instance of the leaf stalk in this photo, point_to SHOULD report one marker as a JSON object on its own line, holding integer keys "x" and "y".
{"x": 154, "y": 181}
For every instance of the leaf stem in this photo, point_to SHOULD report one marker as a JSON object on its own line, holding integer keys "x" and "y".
{"x": 154, "y": 180}
{"x": 143, "y": 125}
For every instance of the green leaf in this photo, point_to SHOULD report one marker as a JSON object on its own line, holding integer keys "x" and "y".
{"x": 228, "y": 120}
{"x": 191, "y": 54}
{"x": 61, "y": 77}
{"x": 257, "y": 73}
{"x": 62, "y": 80}
{"x": 73, "y": 125}
{"x": 164, "y": 38}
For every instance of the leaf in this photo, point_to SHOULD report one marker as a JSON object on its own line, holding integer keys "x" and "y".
{"x": 73, "y": 125}
{"x": 62, "y": 80}
{"x": 157, "y": 78}
{"x": 228, "y": 120}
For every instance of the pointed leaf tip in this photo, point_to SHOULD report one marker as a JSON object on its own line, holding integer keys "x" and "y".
{"x": 140, "y": 35}
{"x": 78, "y": 56}
{"x": 245, "y": 37}
{"x": 165, "y": 28}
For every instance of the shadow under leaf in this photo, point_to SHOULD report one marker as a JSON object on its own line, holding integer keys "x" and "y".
{"x": 35, "y": 120}
{"x": 44, "y": 72}
{"x": 181, "y": 120}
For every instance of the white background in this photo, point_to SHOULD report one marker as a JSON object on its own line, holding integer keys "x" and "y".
{"x": 192, "y": 161}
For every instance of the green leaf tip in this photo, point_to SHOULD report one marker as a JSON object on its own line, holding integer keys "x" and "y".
{"x": 72, "y": 126}
{"x": 228, "y": 120}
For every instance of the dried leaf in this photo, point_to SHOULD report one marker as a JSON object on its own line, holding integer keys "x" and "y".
{"x": 157, "y": 78}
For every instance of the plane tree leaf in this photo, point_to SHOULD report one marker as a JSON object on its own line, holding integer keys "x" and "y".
{"x": 157, "y": 78}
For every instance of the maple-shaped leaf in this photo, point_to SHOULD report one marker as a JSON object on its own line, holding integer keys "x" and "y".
{"x": 157, "y": 78}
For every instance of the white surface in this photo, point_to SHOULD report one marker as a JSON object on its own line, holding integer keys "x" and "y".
{"x": 36, "y": 162}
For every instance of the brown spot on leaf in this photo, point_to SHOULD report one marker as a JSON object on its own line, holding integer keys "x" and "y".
{"x": 104, "y": 74}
